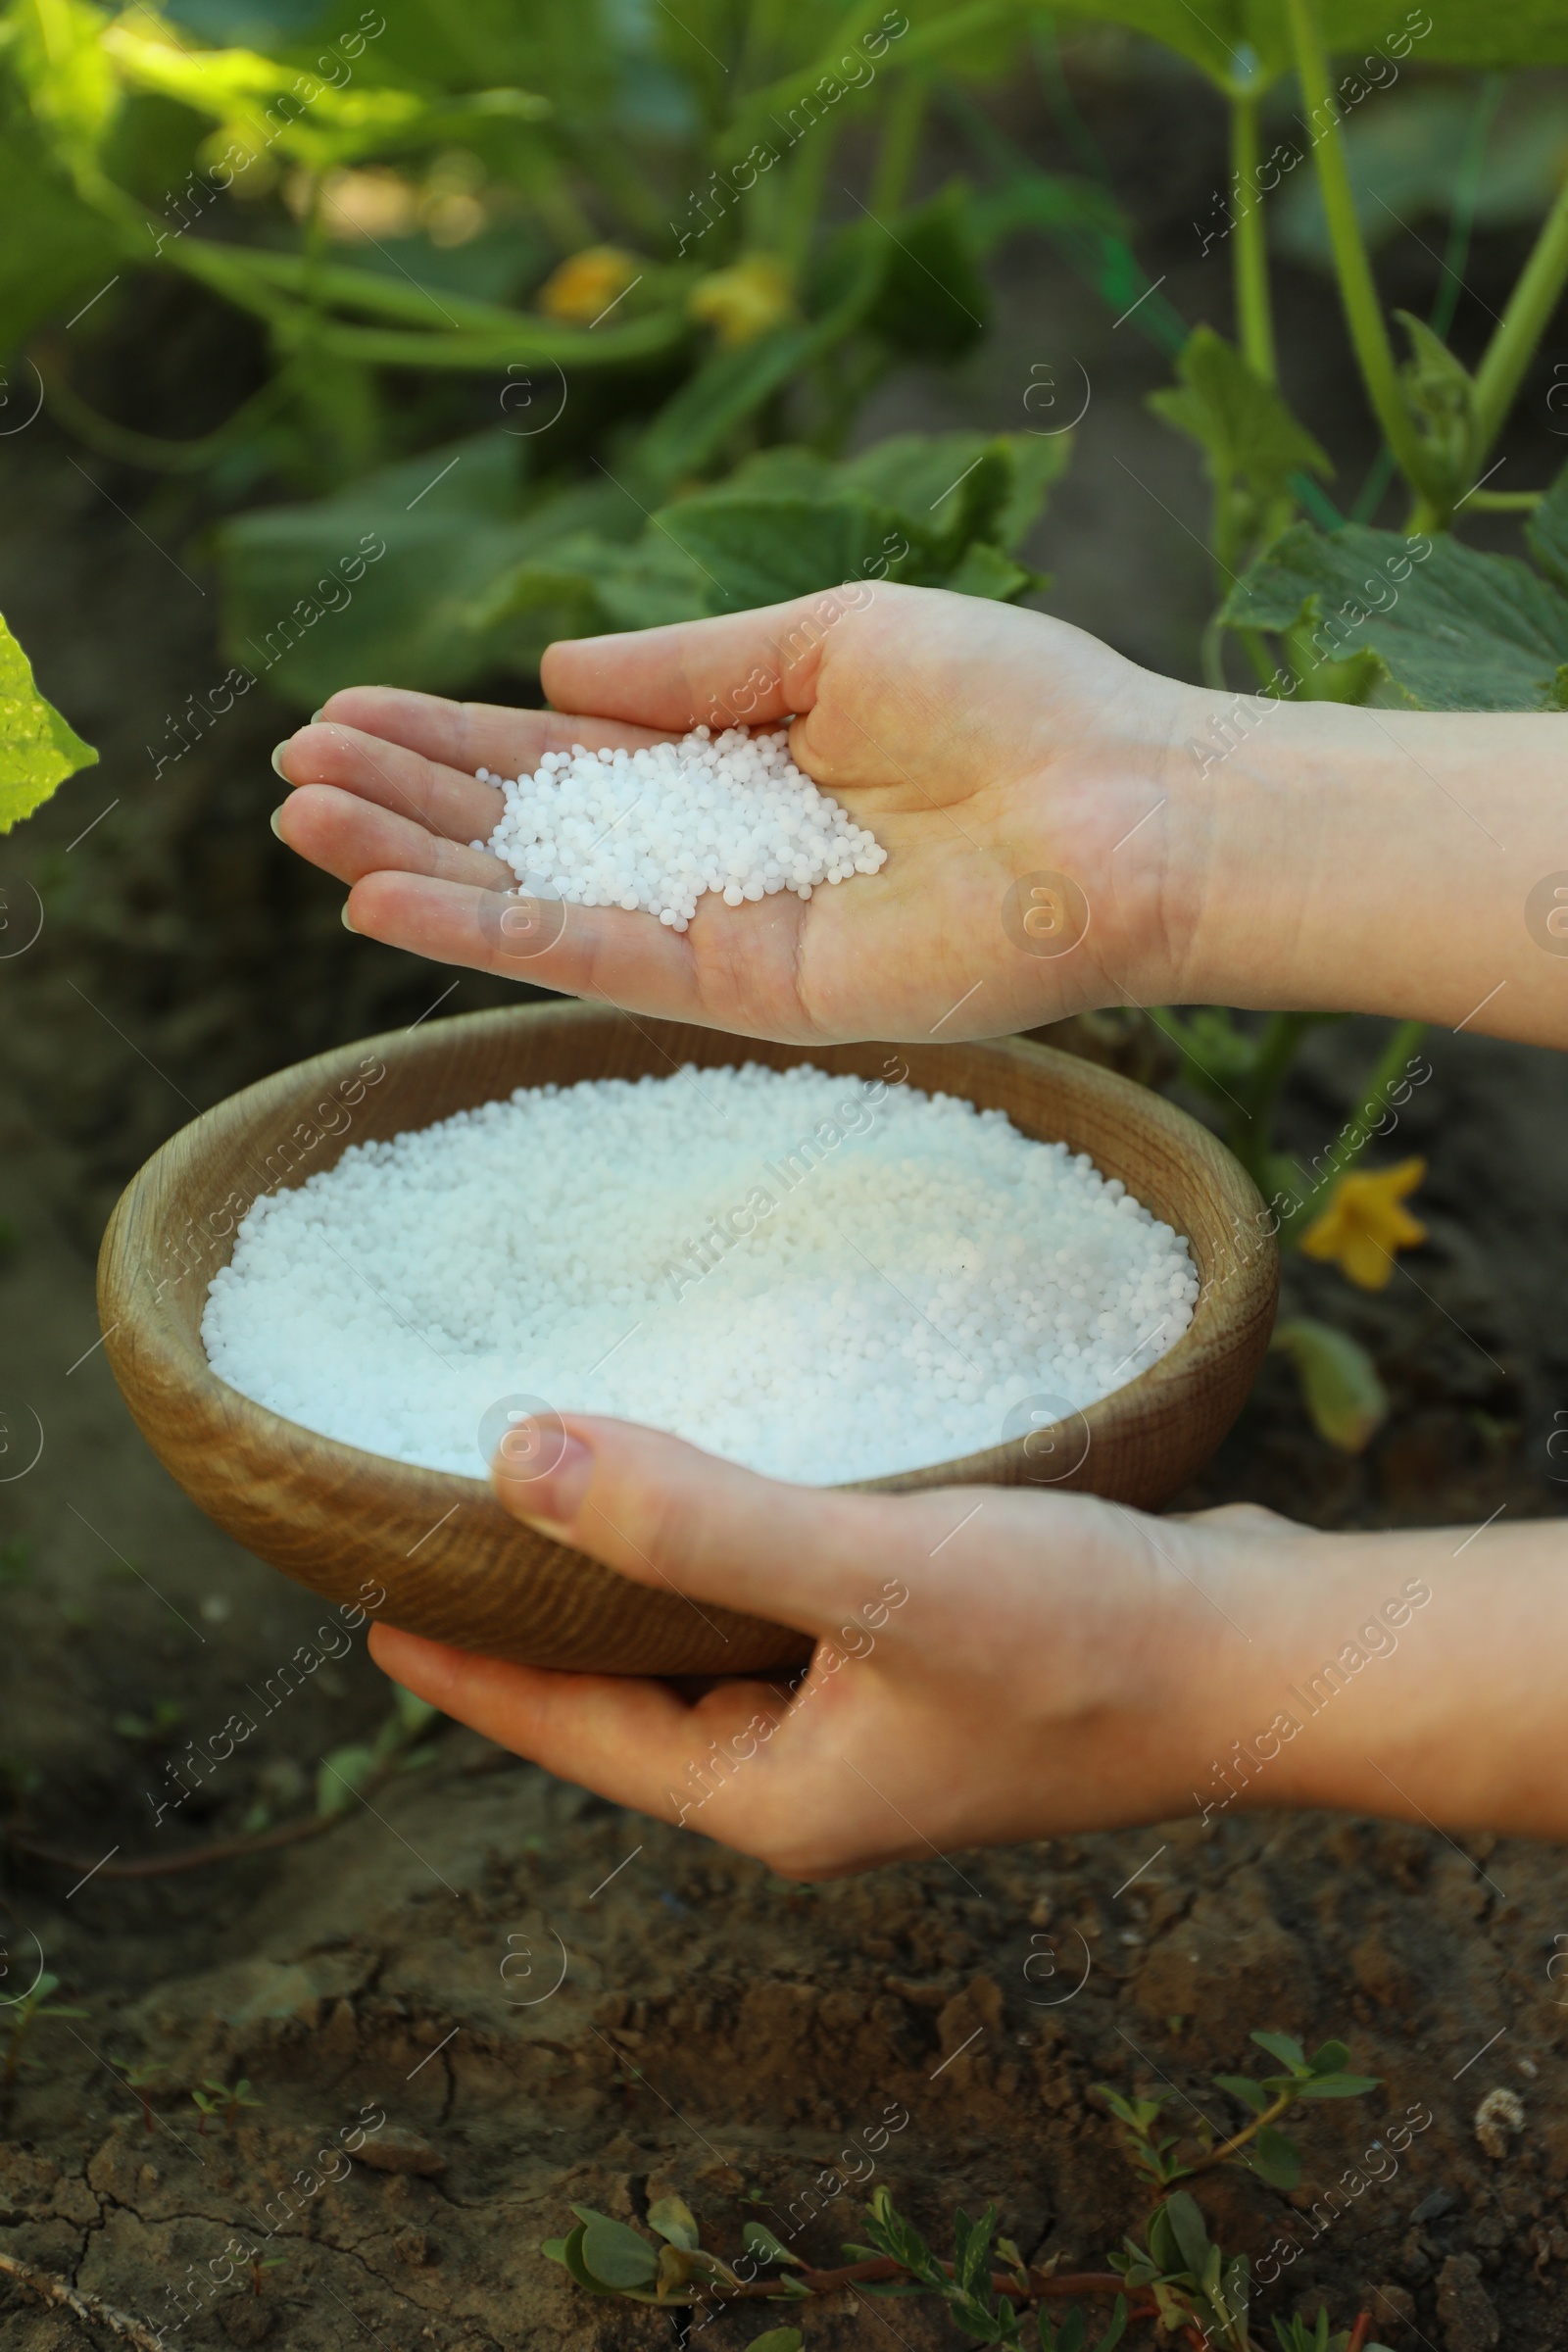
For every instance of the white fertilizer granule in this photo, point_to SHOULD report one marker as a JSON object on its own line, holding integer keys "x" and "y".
{"x": 654, "y": 829}
{"x": 825, "y": 1278}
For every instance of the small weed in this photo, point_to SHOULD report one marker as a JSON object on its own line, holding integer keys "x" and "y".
{"x": 1173, "y": 2275}
{"x": 153, "y": 1732}
{"x": 226, "y": 2100}
{"x": 35, "y": 2008}
{"x": 139, "y": 2078}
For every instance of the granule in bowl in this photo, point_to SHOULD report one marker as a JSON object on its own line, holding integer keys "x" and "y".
{"x": 821, "y": 1278}
{"x": 654, "y": 829}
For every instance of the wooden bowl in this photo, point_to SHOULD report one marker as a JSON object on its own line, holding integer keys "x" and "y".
{"x": 451, "y": 1562}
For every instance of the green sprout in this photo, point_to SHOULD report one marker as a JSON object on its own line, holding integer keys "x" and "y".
{"x": 34, "y": 2008}
{"x": 217, "y": 2097}
{"x": 153, "y": 1732}
{"x": 1257, "y": 2146}
{"x": 139, "y": 2078}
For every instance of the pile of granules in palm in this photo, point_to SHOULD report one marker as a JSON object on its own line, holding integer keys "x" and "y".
{"x": 653, "y": 829}
{"x": 823, "y": 1278}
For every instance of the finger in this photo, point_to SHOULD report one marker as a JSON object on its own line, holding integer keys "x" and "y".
{"x": 468, "y": 736}
{"x": 665, "y": 1513}
{"x": 735, "y": 968}
{"x": 628, "y": 1739}
{"x": 457, "y": 806}
{"x": 740, "y": 668}
{"x": 350, "y": 837}
{"x": 599, "y": 952}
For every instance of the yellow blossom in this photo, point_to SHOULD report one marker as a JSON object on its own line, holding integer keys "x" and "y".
{"x": 1363, "y": 1223}
{"x": 585, "y": 284}
{"x": 744, "y": 300}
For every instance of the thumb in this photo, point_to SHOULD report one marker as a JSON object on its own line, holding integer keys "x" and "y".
{"x": 741, "y": 668}
{"x": 661, "y": 1511}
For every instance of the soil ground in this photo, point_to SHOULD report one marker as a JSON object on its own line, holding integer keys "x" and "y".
{"x": 713, "y": 2029}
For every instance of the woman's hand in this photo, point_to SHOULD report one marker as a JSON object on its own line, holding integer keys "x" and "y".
{"x": 984, "y": 747}
{"x": 994, "y": 1664}
{"x": 990, "y": 1664}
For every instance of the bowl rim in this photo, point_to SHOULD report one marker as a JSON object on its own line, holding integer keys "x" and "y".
{"x": 1253, "y": 1278}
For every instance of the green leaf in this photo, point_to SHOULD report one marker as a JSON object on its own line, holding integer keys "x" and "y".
{"x": 618, "y": 2257}
{"x": 414, "y": 1715}
{"x": 758, "y": 551}
{"x": 1251, "y": 440}
{"x": 1340, "y": 2086}
{"x": 571, "y": 2255}
{"x": 37, "y": 748}
{"x": 933, "y": 303}
{"x": 554, "y": 2249}
{"x": 674, "y": 2220}
{"x": 1283, "y": 2046}
{"x": 1339, "y": 1383}
{"x": 1277, "y": 2159}
{"x": 971, "y": 2252}
{"x": 1237, "y": 418}
{"x": 699, "y": 418}
{"x": 1329, "y": 2058}
{"x": 758, "y": 2240}
{"x": 1241, "y": 2087}
{"x": 1547, "y": 531}
{"x": 340, "y": 1776}
{"x": 1117, "y": 2328}
{"x": 1453, "y": 629}
{"x": 1187, "y": 2223}
{"x": 777, "y": 2339}
{"x": 1441, "y": 395}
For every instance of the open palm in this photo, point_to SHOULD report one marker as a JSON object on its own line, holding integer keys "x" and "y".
{"x": 984, "y": 747}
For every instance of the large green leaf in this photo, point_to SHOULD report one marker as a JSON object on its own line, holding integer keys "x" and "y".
{"x": 416, "y": 615}
{"x": 1454, "y": 629}
{"x": 758, "y": 551}
{"x": 37, "y": 748}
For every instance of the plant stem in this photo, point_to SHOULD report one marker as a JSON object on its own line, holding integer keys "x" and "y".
{"x": 1520, "y": 328}
{"x": 1249, "y": 253}
{"x": 1363, "y": 313}
{"x": 1238, "y": 2140}
{"x": 901, "y": 144}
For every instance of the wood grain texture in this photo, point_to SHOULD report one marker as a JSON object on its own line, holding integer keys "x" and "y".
{"x": 447, "y": 1559}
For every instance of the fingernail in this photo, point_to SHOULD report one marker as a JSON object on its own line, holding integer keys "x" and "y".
{"x": 552, "y": 1498}
{"x": 347, "y": 925}
{"x": 273, "y": 821}
{"x": 277, "y": 766}
{"x": 315, "y": 714}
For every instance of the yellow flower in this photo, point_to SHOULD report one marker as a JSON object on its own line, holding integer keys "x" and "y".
{"x": 585, "y": 284}
{"x": 744, "y": 300}
{"x": 1364, "y": 1224}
